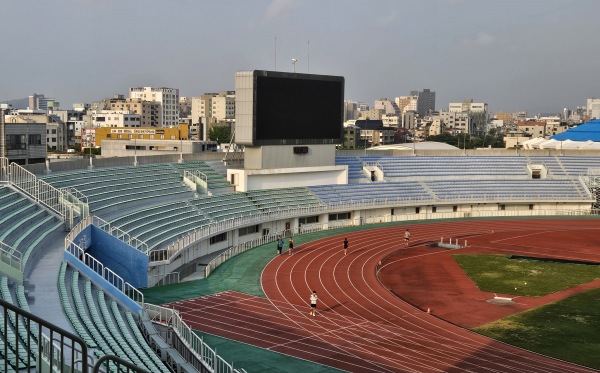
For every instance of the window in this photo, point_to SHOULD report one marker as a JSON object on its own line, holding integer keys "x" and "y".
{"x": 15, "y": 142}
{"x": 501, "y": 207}
{"x": 339, "y": 216}
{"x": 417, "y": 210}
{"x": 35, "y": 139}
{"x": 433, "y": 208}
{"x": 309, "y": 220}
{"x": 218, "y": 238}
{"x": 531, "y": 207}
{"x": 248, "y": 230}
{"x": 454, "y": 208}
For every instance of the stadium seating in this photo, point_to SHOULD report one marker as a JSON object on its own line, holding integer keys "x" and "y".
{"x": 16, "y": 334}
{"x": 102, "y": 328}
{"x": 24, "y": 224}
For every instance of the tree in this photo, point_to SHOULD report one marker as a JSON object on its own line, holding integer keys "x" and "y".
{"x": 219, "y": 134}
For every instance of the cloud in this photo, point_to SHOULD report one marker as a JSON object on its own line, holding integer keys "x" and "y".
{"x": 277, "y": 8}
{"x": 482, "y": 39}
{"x": 388, "y": 19}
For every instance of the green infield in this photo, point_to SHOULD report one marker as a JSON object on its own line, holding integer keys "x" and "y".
{"x": 525, "y": 277}
{"x": 568, "y": 329}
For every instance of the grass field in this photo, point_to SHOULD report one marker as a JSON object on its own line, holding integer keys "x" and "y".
{"x": 568, "y": 329}
{"x": 499, "y": 274}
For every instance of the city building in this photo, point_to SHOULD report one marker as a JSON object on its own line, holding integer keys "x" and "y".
{"x": 115, "y": 118}
{"x": 593, "y": 108}
{"x": 150, "y": 112}
{"x": 351, "y": 135}
{"x": 477, "y": 113}
{"x": 24, "y": 140}
{"x": 168, "y": 99}
{"x": 532, "y": 128}
{"x": 455, "y": 122}
{"x": 425, "y": 102}
{"x": 350, "y": 110}
{"x": 373, "y": 132}
{"x": 39, "y": 102}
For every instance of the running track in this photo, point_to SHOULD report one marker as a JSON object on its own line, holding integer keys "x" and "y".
{"x": 363, "y": 327}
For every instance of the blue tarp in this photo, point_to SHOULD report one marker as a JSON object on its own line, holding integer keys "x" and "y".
{"x": 583, "y": 132}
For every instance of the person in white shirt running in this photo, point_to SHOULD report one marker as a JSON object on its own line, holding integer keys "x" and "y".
{"x": 313, "y": 303}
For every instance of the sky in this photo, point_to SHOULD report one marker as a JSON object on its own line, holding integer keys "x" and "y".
{"x": 537, "y": 56}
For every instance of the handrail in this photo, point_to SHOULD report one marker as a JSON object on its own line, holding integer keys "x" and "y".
{"x": 171, "y": 318}
{"x": 114, "y": 231}
{"x": 71, "y": 348}
{"x": 106, "y": 273}
{"x": 121, "y": 365}
{"x": 194, "y": 176}
{"x": 11, "y": 256}
{"x": 207, "y": 230}
{"x": 62, "y": 202}
{"x": 245, "y": 246}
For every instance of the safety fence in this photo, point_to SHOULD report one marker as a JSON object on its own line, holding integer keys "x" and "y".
{"x": 106, "y": 273}
{"x": 316, "y": 227}
{"x": 208, "y": 356}
{"x": 67, "y": 203}
{"x": 174, "y": 249}
{"x": 44, "y": 347}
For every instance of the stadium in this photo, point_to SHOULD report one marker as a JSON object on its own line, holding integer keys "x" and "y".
{"x": 82, "y": 240}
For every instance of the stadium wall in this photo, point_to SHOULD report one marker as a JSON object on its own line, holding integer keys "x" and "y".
{"x": 283, "y": 156}
{"x": 101, "y": 282}
{"x": 245, "y": 179}
{"x": 131, "y": 264}
{"x": 193, "y": 251}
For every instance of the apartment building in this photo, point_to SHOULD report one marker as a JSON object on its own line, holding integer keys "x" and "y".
{"x": 150, "y": 112}
{"x": 168, "y": 98}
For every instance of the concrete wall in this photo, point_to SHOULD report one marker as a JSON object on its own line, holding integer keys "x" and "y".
{"x": 129, "y": 263}
{"x": 245, "y": 180}
{"x": 282, "y": 156}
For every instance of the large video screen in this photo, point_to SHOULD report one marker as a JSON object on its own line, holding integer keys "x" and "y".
{"x": 292, "y": 108}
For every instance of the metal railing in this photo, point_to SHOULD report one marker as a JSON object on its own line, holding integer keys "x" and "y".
{"x": 316, "y": 227}
{"x": 174, "y": 249}
{"x": 196, "y": 178}
{"x": 57, "y": 348}
{"x": 62, "y": 201}
{"x": 171, "y": 318}
{"x": 114, "y": 231}
{"x": 106, "y": 273}
{"x": 11, "y": 256}
{"x": 110, "y": 363}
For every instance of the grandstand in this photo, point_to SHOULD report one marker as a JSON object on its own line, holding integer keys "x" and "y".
{"x": 173, "y": 226}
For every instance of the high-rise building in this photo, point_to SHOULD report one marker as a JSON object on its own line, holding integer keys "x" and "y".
{"x": 406, "y": 103}
{"x": 168, "y": 99}
{"x": 425, "y": 102}
{"x": 149, "y": 111}
{"x": 350, "y": 110}
{"x": 477, "y": 113}
{"x": 39, "y": 102}
{"x": 593, "y": 108}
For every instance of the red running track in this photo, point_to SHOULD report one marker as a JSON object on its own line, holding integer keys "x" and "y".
{"x": 364, "y": 327}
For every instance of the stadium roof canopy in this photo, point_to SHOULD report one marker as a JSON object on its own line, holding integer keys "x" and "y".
{"x": 589, "y": 131}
